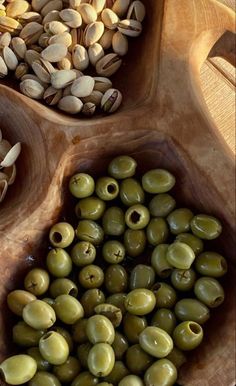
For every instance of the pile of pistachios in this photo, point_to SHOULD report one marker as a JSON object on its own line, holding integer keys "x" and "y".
{"x": 8, "y": 157}
{"x": 50, "y": 43}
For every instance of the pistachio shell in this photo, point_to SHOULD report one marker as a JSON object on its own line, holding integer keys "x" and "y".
{"x": 37, "y": 5}
{"x": 106, "y": 39}
{"x": 95, "y": 97}
{"x": 64, "y": 38}
{"x": 80, "y": 57}
{"x": 28, "y": 17}
{"x": 11, "y": 157}
{"x": 65, "y": 63}
{"x": 54, "y": 53}
{"x": 34, "y": 77}
{"x": 3, "y": 68}
{"x": 132, "y": 28}
{"x": 52, "y": 5}
{"x": 43, "y": 69}
{"x": 21, "y": 70}
{"x": 120, "y": 43}
{"x": 10, "y": 58}
{"x": 88, "y": 13}
{"x": 98, "y": 5}
{"x": 16, "y": 8}
{"x": 10, "y": 172}
{"x": 51, "y": 16}
{"x": 44, "y": 40}
{"x": 108, "y": 65}
{"x": 52, "y": 96}
{"x": 71, "y": 17}
{"x": 70, "y": 104}
{"x": 83, "y": 86}
{"x": 31, "y": 32}
{"x": 88, "y": 109}
{"x": 31, "y": 56}
{"x": 95, "y": 53}
{"x": 93, "y": 32}
{"x": 19, "y": 47}
{"x": 109, "y": 18}
{"x": 74, "y": 3}
{"x": 102, "y": 84}
{"x": 8, "y": 24}
{"x": 120, "y": 7}
{"x": 56, "y": 27}
{"x": 61, "y": 79}
{"x": 111, "y": 100}
{"x": 136, "y": 11}
{"x": 5, "y": 39}
{"x": 32, "y": 88}
{"x": 3, "y": 189}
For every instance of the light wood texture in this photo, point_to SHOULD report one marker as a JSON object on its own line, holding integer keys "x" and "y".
{"x": 164, "y": 122}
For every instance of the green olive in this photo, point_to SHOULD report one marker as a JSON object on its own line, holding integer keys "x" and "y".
{"x": 161, "y": 373}
{"x": 79, "y": 331}
{"x": 206, "y": 227}
{"x": 166, "y": 296}
{"x": 105, "y": 384}
{"x": 62, "y": 331}
{"x": 133, "y": 325}
{"x": 179, "y": 220}
{"x": 54, "y": 348}
{"x": 37, "y": 281}
{"x": 101, "y": 359}
{"x": 113, "y": 221}
{"x": 192, "y": 241}
{"x": 183, "y": 279}
{"x": 18, "y": 369}
{"x": 17, "y": 300}
{"x": 180, "y": 255}
{"x": 188, "y": 335}
{"x": 63, "y": 286}
{"x": 68, "y": 309}
{"x": 131, "y": 192}
{"x": 39, "y": 315}
{"x": 112, "y": 312}
{"x": 26, "y": 336}
{"x": 89, "y": 230}
{"x": 158, "y": 181}
{"x": 120, "y": 345}
{"x": 131, "y": 380}
{"x": 83, "y": 253}
{"x": 142, "y": 276}
{"x": 59, "y": 262}
{"x": 42, "y": 364}
{"x": 209, "y": 291}
{"x": 155, "y": 342}
{"x": 137, "y": 217}
{"x": 192, "y": 309}
{"x": 118, "y": 372}
{"x": 116, "y": 279}
{"x": 113, "y": 252}
{"x": 91, "y": 276}
{"x": 122, "y": 167}
{"x": 159, "y": 261}
{"x": 61, "y": 235}
{"x": 44, "y": 378}
{"x": 137, "y": 360}
{"x": 211, "y": 264}
{"x": 81, "y": 185}
{"x": 68, "y": 370}
{"x": 140, "y": 301}
{"x": 85, "y": 379}
{"x": 90, "y": 299}
{"x": 164, "y": 319}
{"x": 107, "y": 188}
{"x": 134, "y": 242}
{"x": 83, "y": 352}
{"x": 90, "y": 208}
{"x": 118, "y": 300}
{"x": 177, "y": 357}
{"x": 157, "y": 231}
{"x": 161, "y": 205}
{"x": 99, "y": 329}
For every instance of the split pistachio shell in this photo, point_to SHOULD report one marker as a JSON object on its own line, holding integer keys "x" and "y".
{"x": 95, "y": 53}
{"x": 102, "y": 84}
{"x": 43, "y": 69}
{"x": 31, "y": 32}
{"x": 31, "y": 56}
{"x": 88, "y": 109}
{"x": 19, "y": 47}
{"x": 71, "y": 17}
{"x": 63, "y": 78}
{"x": 56, "y": 27}
{"x": 32, "y": 89}
{"x": 132, "y": 28}
{"x": 10, "y": 58}
{"x": 120, "y": 43}
{"x": 109, "y": 18}
{"x": 52, "y": 5}
{"x": 136, "y": 11}
{"x": 80, "y": 57}
{"x": 95, "y": 97}
{"x": 70, "y": 104}
{"x": 52, "y": 96}
{"x": 120, "y": 7}
{"x": 83, "y": 86}
{"x": 11, "y": 156}
{"x": 28, "y": 17}
{"x": 51, "y": 16}
{"x": 10, "y": 172}
{"x": 108, "y": 65}
{"x": 17, "y": 8}
{"x": 8, "y": 24}
{"x": 93, "y": 32}
{"x": 111, "y": 100}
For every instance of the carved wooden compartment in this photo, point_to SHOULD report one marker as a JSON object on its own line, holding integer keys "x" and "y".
{"x": 164, "y": 122}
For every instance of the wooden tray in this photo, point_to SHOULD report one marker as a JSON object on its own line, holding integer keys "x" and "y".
{"x": 164, "y": 122}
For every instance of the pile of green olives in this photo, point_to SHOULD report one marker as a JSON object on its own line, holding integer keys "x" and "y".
{"x": 123, "y": 296}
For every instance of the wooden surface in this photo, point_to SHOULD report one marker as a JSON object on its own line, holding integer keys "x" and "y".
{"x": 164, "y": 122}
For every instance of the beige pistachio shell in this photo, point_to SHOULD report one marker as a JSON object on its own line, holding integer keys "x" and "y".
{"x": 108, "y": 65}
{"x": 120, "y": 44}
{"x": 111, "y": 100}
{"x": 61, "y": 79}
{"x": 32, "y": 88}
{"x": 70, "y": 104}
{"x": 95, "y": 53}
{"x": 10, "y": 58}
{"x": 11, "y": 157}
{"x": 83, "y": 86}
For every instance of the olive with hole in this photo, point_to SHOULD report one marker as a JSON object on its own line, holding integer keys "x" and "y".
{"x": 177, "y": 357}
{"x": 206, "y": 227}
{"x": 157, "y": 231}
{"x": 166, "y": 295}
{"x": 116, "y": 279}
{"x": 90, "y": 208}
{"x": 37, "y": 281}
{"x": 131, "y": 192}
{"x": 122, "y": 167}
{"x": 131, "y": 380}
{"x": 91, "y": 276}
{"x": 211, "y": 264}
{"x": 188, "y": 335}
{"x": 18, "y": 369}
{"x": 159, "y": 261}
{"x": 137, "y": 217}
{"x": 85, "y": 379}
{"x": 66, "y": 335}
{"x": 180, "y": 255}
{"x": 83, "y": 352}
{"x": 142, "y": 276}
{"x": 161, "y": 205}
{"x": 42, "y": 364}
{"x": 135, "y": 242}
{"x": 81, "y": 185}
{"x": 90, "y": 299}
{"x": 83, "y": 253}
{"x": 179, "y": 220}
{"x": 113, "y": 221}
{"x": 63, "y": 286}
{"x": 118, "y": 372}
{"x": 59, "y": 263}
{"x": 17, "y": 300}
{"x": 61, "y": 235}
{"x": 89, "y": 230}
{"x": 113, "y": 252}
{"x": 54, "y": 348}
{"x": 99, "y": 329}
{"x": 137, "y": 360}
{"x": 156, "y": 342}
{"x": 164, "y": 319}
{"x": 112, "y": 312}
{"x": 192, "y": 241}
{"x": 183, "y": 279}
{"x": 161, "y": 373}
{"x": 39, "y": 315}
{"x": 133, "y": 325}
{"x": 79, "y": 331}
{"x": 101, "y": 359}
{"x": 192, "y": 309}
{"x": 158, "y": 181}
{"x": 120, "y": 345}
{"x": 140, "y": 301}
{"x": 44, "y": 378}
{"x": 118, "y": 300}
{"x": 68, "y": 370}
{"x": 68, "y": 309}
{"x": 26, "y": 336}
{"x": 209, "y": 291}
{"x": 107, "y": 188}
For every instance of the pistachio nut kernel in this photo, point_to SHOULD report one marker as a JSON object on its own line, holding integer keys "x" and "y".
{"x": 111, "y": 100}
{"x": 129, "y": 27}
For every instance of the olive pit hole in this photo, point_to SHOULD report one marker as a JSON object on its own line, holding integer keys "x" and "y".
{"x": 57, "y": 237}
{"x": 195, "y": 328}
{"x": 223, "y": 264}
{"x": 47, "y": 335}
{"x": 135, "y": 217}
{"x": 217, "y": 300}
{"x": 2, "y": 376}
{"x": 73, "y": 292}
{"x": 111, "y": 188}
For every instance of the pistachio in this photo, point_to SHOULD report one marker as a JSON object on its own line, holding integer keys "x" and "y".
{"x": 11, "y": 156}
{"x": 74, "y": 38}
{"x": 51, "y": 16}
{"x": 71, "y": 17}
{"x": 3, "y": 68}
{"x": 88, "y": 109}
{"x": 130, "y": 27}
{"x": 17, "y": 8}
{"x": 31, "y": 56}
{"x": 88, "y": 13}
{"x": 31, "y": 32}
{"x": 93, "y": 32}
{"x": 7, "y": 24}
{"x": 70, "y": 104}
{"x": 83, "y": 86}
{"x": 28, "y": 17}
{"x": 19, "y": 47}
{"x": 95, "y": 97}
{"x": 67, "y": 91}
{"x": 111, "y": 100}
{"x": 3, "y": 189}
{"x": 21, "y": 70}
{"x": 106, "y": 39}
{"x": 102, "y": 84}
{"x": 80, "y": 57}
{"x": 95, "y": 52}
{"x": 32, "y": 89}
{"x": 65, "y": 63}
{"x": 109, "y": 18}
{"x": 98, "y": 5}
{"x": 44, "y": 40}
{"x": 52, "y": 96}
{"x": 52, "y": 5}
{"x": 54, "y": 53}
{"x": 5, "y": 39}
{"x": 136, "y": 11}
{"x": 64, "y": 38}
{"x": 120, "y": 44}
{"x": 74, "y": 3}
{"x": 10, "y": 172}
{"x": 10, "y": 58}
{"x": 34, "y": 77}
{"x": 78, "y": 73}
{"x": 37, "y": 5}
{"x": 43, "y": 69}
{"x": 56, "y": 27}
{"x": 120, "y": 7}
{"x": 61, "y": 79}
{"x": 108, "y": 65}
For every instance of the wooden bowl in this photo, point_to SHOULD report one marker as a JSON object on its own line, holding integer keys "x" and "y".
{"x": 164, "y": 122}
